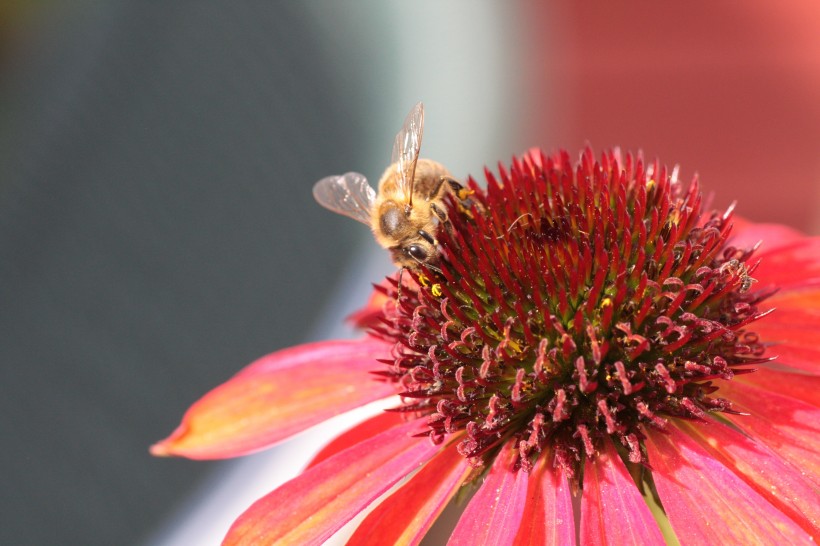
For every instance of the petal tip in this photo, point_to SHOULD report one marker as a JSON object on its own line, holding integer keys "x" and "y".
{"x": 169, "y": 446}
{"x": 160, "y": 449}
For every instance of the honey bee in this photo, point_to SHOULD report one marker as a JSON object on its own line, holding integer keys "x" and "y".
{"x": 741, "y": 272}
{"x": 408, "y": 209}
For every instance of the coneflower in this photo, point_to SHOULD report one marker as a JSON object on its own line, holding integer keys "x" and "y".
{"x": 592, "y": 359}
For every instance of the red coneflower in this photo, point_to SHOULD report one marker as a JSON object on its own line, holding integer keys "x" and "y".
{"x": 596, "y": 361}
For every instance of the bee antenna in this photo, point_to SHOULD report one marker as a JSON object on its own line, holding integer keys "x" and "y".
{"x": 398, "y": 293}
{"x": 434, "y": 268}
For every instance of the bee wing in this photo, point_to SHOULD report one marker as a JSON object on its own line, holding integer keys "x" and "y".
{"x": 406, "y": 149}
{"x": 348, "y": 194}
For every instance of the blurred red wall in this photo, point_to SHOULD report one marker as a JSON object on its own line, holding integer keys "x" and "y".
{"x": 731, "y": 92}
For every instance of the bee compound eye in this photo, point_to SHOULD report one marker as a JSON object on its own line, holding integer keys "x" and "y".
{"x": 417, "y": 253}
{"x": 389, "y": 221}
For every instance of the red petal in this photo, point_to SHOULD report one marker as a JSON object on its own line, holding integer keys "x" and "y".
{"x": 548, "y": 517}
{"x": 612, "y": 509}
{"x": 405, "y": 516}
{"x": 357, "y": 434}
{"x": 792, "y": 329}
{"x": 707, "y": 503}
{"x": 370, "y": 313}
{"x": 798, "y": 358}
{"x": 277, "y": 396}
{"x": 788, "y": 426}
{"x": 746, "y": 234}
{"x": 774, "y": 479}
{"x": 311, "y": 507}
{"x": 794, "y": 385}
{"x": 792, "y": 265}
{"x": 494, "y": 513}
{"x": 793, "y": 357}
{"x": 804, "y": 299}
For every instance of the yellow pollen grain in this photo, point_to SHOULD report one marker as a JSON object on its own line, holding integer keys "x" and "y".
{"x": 674, "y": 217}
{"x": 436, "y": 290}
{"x": 423, "y": 280}
{"x": 512, "y": 344}
{"x": 606, "y": 302}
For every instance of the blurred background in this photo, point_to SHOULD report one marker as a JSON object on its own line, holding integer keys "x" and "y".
{"x": 157, "y": 230}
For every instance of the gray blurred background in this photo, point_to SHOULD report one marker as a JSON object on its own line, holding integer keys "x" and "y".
{"x": 157, "y": 231}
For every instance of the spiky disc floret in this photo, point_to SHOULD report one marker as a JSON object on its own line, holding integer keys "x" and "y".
{"x": 574, "y": 303}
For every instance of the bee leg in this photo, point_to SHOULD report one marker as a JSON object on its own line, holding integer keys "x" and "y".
{"x": 443, "y": 219}
{"x": 462, "y": 195}
{"x": 440, "y": 213}
{"x": 460, "y": 191}
{"x": 453, "y": 185}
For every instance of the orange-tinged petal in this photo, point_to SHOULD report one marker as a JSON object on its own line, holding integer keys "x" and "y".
{"x": 494, "y": 513}
{"x": 406, "y": 515}
{"x": 277, "y": 396}
{"x": 785, "y": 424}
{"x": 707, "y": 503}
{"x": 774, "y": 479}
{"x": 612, "y": 509}
{"x": 357, "y": 434}
{"x": 314, "y": 505}
{"x": 548, "y": 517}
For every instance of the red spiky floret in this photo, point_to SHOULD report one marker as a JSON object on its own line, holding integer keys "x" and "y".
{"x": 574, "y": 302}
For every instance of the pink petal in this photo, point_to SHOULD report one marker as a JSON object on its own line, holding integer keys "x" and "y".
{"x": 277, "y": 396}
{"x": 707, "y": 503}
{"x": 774, "y": 479}
{"x": 357, "y": 434}
{"x": 494, "y": 513}
{"x": 548, "y": 516}
{"x": 788, "y": 426}
{"x": 314, "y": 505}
{"x": 406, "y": 515}
{"x": 612, "y": 509}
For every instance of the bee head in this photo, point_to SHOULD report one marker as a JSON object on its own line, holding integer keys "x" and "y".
{"x": 420, "y": 249}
